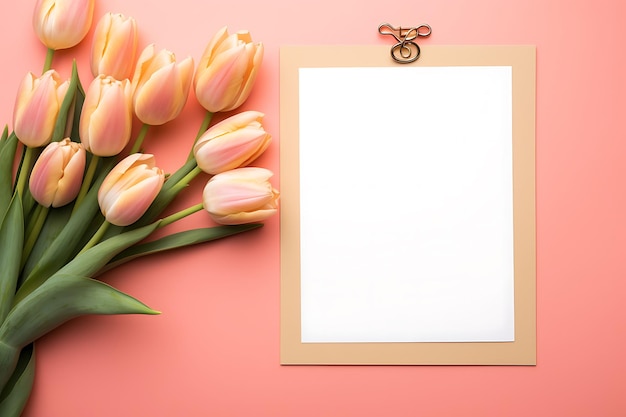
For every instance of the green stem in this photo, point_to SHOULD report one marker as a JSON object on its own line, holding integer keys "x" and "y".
{"x": 140, "y": 137}
{"x": 181, "y": 214}
{"x": 86, "y": 185}
{"x": 25, "y": 170}
{"x": 96, "y": 237}
{"x": 48, "y": 64}
{"x": 184, "y": 181}
{"x": 203, "y": 128}
{"x": 40, "y": 215}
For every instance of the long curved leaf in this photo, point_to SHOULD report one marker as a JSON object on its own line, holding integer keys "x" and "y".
{"x": 55, "y": 222}
{"x": 88, "y": 262}
{"x": 16, "y": 392}
{"x": 11, "y": 242}
{"x": 5, "y": 135}
{"x": 7, "y": 156}
{"x": 61, "y": 298}
{"x": 178, "y": 240}
{"x": 67, "y": 106}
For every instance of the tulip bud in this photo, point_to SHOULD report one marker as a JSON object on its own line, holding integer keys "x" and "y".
{"x": 61, "y": 24}
{"x": 242, "y": 195}
{"x": 232, "y": 143}
{"x": 114, "y": 46}
{"x": 107, "y": 116}
{"x": 161, "y": 85}
{"x": 227, "y": 70}
{"x": 37, "y": 107}
{"x": 129, "y": 189}
{"x": 58, "y": 173}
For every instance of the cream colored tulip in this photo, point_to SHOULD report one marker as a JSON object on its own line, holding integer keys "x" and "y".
{"x": 232, "y": 143}
{"x": 242, "y": 195}
{"x": 37, "y": 107}
{"x": 161, "y": 85}
{"x": 58, "y": 173}
{"x": 129, "y": 189}
{"x": 107, "y": 116}
{"x": 114, "y": 47}
{"x": 61, "y": 24}
{"x": 227, "y": 70}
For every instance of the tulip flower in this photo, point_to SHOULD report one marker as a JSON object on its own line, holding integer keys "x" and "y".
{"x": 58, "y": 173}
{"x": 242, "y": 195}
{"x": 37, "y": 107}
{"x": 227, "y": 71}
{"x": 61, "y": 24}
{"x": 232, "y": 143}
{"x": 129, "y": 189}
{"x": 107, "y": 116}
{"x": 114, "y": 46}
{"x": 161, "y": 85}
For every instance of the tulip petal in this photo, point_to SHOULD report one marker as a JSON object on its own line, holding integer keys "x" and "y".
{"x": 106, "y": 119}
{"x": 57, "y": 175}
{"x": 114, "y": 46}
{"x": 227, "y": 71}
{"x": 243, "y": 218}
{"x": 233, "y": 123}
{"x": 134, "y": 201}
{"x": 161, "y": 87}
{"x": 220, "y": 87}
{"x": 35, "y": 119}
{"x": 209, "y": 52}
{"x": 231, "y": 150}
{"x": 129, "y": 189}
{"x": 240, "y": 196}
{"x": 62, "y": 24}
{"x": 250, "y": 77}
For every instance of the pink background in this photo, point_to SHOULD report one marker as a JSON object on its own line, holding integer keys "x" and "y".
{"x": 214, "y": 349}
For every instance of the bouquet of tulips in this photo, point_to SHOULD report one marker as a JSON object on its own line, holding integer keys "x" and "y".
{"x": 79, "y": 197}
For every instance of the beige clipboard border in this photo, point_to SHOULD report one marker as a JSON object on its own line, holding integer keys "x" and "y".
{"x": 522, "y": 351}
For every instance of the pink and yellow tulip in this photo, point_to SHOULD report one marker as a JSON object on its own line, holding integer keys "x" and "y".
{"x": 242, "y": 195}
{"x": 58, "y": 173}
{"x": 227, "y": 70}
{"x": 114, "y": 47}
{"x": 129, "y": 189}
{"x": 61, "y": 24}
{"x": 232, "y": 143}
{"x": 161, "y": 85}
{"x": 107, "y": 116}
{"x": 37, "y": 107}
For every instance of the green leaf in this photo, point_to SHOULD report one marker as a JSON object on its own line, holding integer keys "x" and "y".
{"x": 67, "y": 106}
{"x": 178, "y": 240}
{"x": 16, "y": 392}
{"x": 9, "y": 359}
{"x": 11, "y": 242}
{"x": 93, "y": 259}
{"x": 78, "y": 108}
{"x": 5, "y": 135}
{"x": 90, "y": 261}
{"x": 61, "y": 298}
{"x": 7, "y": 156}
{"x": 55, "y": 222}
{"x": 64, "y": 246}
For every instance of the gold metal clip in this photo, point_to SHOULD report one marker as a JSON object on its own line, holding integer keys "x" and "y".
{"x": 406, "y": 50}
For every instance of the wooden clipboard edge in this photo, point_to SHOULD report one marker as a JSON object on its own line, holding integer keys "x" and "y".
{"x": 520, "y": 352}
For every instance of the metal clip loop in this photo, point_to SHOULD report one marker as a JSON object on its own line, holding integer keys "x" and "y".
{"x": 406, "y": 50}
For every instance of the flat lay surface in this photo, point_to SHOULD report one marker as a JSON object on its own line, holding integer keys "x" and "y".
{"x": 214, "y": 349}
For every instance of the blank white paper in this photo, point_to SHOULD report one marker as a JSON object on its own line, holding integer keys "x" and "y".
{"x": 406, "y": 204}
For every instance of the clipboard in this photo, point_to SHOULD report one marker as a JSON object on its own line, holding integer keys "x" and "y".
{"x": 307, "y": 344}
